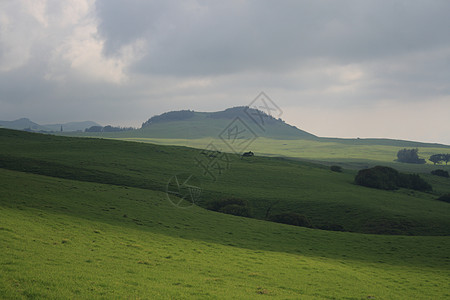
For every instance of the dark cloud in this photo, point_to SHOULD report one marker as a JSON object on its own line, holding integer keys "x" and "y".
{"x": 122, "y": 61}
{"x": 232, "y": 36}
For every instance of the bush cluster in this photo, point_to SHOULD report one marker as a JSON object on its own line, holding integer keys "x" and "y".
{"x": 336, "y": 169}
{"x": 386, "y": 178}
{"x": 291, "y": 218}
{"x": 445, "y": 198}
{"x": 232, "y": 206}
{"x": 410, "y": 156}
{"x": 439, "y": 158}
{"x": 441, "y": 173}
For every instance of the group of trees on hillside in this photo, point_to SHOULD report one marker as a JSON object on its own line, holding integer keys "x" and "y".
{"x": 170, "y": 116}
{"x": 441, "y": 173}
{"x": 412, "y": 156}
{"x": 107, "y": 128}
{"x": 239, "y": 207}
{"x": 386, "y": 178}
{"x": 439, "y": 158}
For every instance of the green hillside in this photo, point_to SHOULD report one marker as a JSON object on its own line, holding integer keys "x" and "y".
{"x": 22, "y": 124}
{"x": 70, "y": 239}
{"x": 326, "y": 198}
{"x": 89, "y": 218}
{"x": 270, "y": 137}
{"x": 193, "y": 125}
{"x": 356, "y": 154}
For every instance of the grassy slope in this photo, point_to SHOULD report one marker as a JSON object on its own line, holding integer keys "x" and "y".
{"x": 69, "y": 239}
{"x": 326, "y": 197}
{"x": 354, "y": 154}
{"x": 279, "y": 139}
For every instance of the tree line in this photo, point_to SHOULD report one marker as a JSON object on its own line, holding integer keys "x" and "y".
{"x": 107, "y": 128}
{"x": 439, "y": 158}
{"x": 412, "y": 156}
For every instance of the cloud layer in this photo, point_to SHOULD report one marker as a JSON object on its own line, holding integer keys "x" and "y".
{"x": 121, "y": 62}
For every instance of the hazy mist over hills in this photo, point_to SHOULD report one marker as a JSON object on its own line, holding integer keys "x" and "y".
{"x": 27, "y": 124}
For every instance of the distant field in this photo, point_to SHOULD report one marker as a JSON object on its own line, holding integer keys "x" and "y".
{"x": 79, "y": 240}
{"x": 351, "y": 154}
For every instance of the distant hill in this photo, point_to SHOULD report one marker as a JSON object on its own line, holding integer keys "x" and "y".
{"x": 27, "y": 124}
{"x": 189, "y": 124}
{"x": 21, "y": 124}
{"x": 72, "y": 126}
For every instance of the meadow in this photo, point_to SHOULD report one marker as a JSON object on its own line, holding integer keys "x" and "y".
{"x": 352, "y": 154}
{"x": 89, "y": 218}
{"x": 327, "y": 198}
{"x": 70, "y": 239}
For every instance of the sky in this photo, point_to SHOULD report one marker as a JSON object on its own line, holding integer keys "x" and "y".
{"x": 335, "y": 68}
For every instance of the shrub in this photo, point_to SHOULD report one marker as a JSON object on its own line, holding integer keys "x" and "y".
{"x": 445, "y": 198}
{"x": 236, "y": 210}
{"x": 232, "y": 206}
{"x": 218, "y": 204}
{"x": 291, "y": 218}
{"x": 378, "y": 177}
{"x": 441, "y": 173}
{"x": 336, "y": 169}
{"x": 386, "y": 178}
{"x": 332, "y": 227}
{"x": 388, "y": 226}
{"x": 410, "y": 156}
{"x": 414, "y": 182}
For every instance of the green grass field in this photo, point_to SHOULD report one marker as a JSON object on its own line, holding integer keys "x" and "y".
{"x": 353, "y": 154}
{"x": 89, "y": 218}
{"x": 326, "y": 198}
{"x": 69, "y": 239}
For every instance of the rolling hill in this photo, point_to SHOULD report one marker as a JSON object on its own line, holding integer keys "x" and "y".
{"x": 71, "y": 126}
{"x": 22, "y": 124}
{"x": 89, "y": 218}
{"x": 186, "y": 124}
{"x": 191, "y": 125}
{"x": 27, "y": 124}
{"x": 326, "y": 198}
{"x": 265, "y": 135}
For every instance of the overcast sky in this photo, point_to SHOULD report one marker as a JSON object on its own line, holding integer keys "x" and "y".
{"x": 335, "y": 68}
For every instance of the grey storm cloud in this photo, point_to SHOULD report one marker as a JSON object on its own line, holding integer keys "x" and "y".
{"x": 121, "y": 62}
{"x": 208, "y": 38}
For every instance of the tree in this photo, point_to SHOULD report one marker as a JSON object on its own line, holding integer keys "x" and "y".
{"x": 441, "y": 173}
{"x": 445, "y": 198}
{"x": 409, "y": 156}
{"x": 386, "y": 178}
{"x": 336, "y": 169}
{"x": 94, "y": 129}
{"x": 446, "y": 158}
{"x": 232, "y": 206}
{"x": 271, "y": 205}
{"x": 436, "y": 158}
{"x": 291, "y": 218}
{"x": 378, "y": 177}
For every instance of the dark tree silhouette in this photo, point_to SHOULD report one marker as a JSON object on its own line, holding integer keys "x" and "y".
{"x": 386, "y": 178}
{"x": 436, "y": 158}
{"x": 409, "y": 156}
{"x": 441, "y": 173}
{"x": 446, "y": 158}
